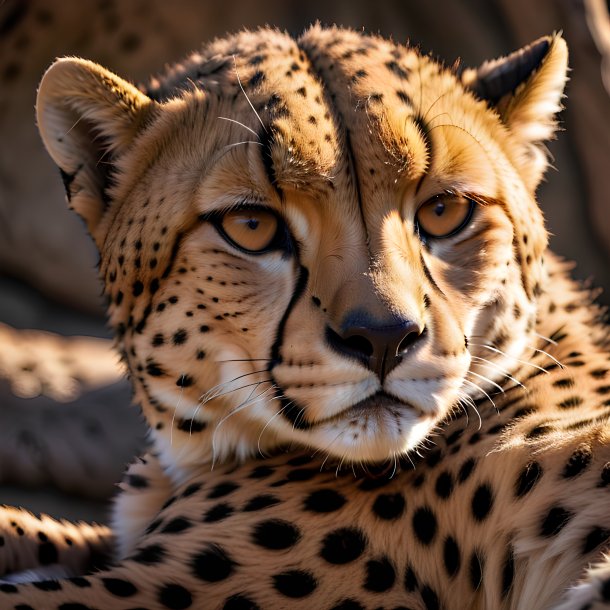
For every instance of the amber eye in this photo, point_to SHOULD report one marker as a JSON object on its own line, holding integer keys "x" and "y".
{"x": 251, "y": 229}
{"x": 444, "y": 215}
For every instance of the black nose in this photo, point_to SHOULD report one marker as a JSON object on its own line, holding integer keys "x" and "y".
{"x": 381, "y": 346}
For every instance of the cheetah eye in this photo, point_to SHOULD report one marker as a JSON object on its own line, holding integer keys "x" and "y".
{"x": 444, "y": 215}
{"x": 251, "y": 229}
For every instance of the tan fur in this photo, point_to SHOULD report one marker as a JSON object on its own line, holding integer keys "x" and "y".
{"x": 497, "y": 425}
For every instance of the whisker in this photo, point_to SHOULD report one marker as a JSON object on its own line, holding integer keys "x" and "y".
{"x": 258, "y": 444}
{"x": 219, "y": 386}
{"x": 498, "y": 351}
{"x": 224, "y": 118}
{"x": 489, "y": 364}
{"x": 246, "y": 95}
{"x": 482, "y": 392}
{"x": 482, "y": 377}
{"x": 541, "y": 351}
{"x": 548, "y": 339}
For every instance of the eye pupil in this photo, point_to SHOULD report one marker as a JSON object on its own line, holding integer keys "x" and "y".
{"x": 444, "y": 215}
{"x": 252, "y": 230}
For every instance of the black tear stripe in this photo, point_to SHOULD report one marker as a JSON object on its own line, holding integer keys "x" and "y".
{"x": 430, "y": 278}
{"x": 267, "y": 140}
{"x": 289, "y": 409}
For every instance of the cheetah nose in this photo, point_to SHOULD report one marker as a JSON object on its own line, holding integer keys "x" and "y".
{"x": 380, "y": 345}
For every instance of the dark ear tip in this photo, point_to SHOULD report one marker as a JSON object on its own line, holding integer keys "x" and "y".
{"x": 497, "y": 78}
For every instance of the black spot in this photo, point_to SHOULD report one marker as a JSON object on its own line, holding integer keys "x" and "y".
{"x": 466, "y": 470}
{"x": 300, "y": 460}
{"x": 451, "y": 556}
{"x": 554, "y": 521}
{"x": 47, "y": 553}
{"x": 389, "y": 506}
{"x": 444, "y": 485}
{"x": 260, "y": 502}
{"x": 191, "y": 425}
{"x": 564, "y": 383}
{"x": 218, "y": 512}
{"x": 222, "y": 489}
{"x": 475, "y": 570}
{"x": 137, "y": 288}
{"x": 316, "y": 301}
{"x": 175, "y": 597}
{"x": 261, "y": 472}
{"x": 79, "y": 581}
{"x": 380, "y": 575}
{"x": 136, "y": 481}
{"x": 149, "y": 555}
{"x": 180, "y": 336}
{"x": 257, "y": 79}
{"x": 569, "y": 403}
{"x": 578, "y": 462}
{"x": 324, "y": 501}
{"x": 343, "y": 545}
{"x": 372, "y": 483}
{"x": 508, "y": 573}
{"x": 302, "y": 474}
{"x": 527, "y": 478}
{"x": 424, "y": 525}
{"x": 294, "y": 583}
{"x": 6, "y": 588}
{"x": 154, "y": 369}
{"x": 48, "y": 585}
{"x": 177, "y": 526}
{"x": 394, "y": 67}
{"x": 239, "y": 602}
{"x": 275, "y": 534}
{"x": 119, "y": 587}
{"x": 595, "y": 537}
{"x": 410, "y": 580}
{"x": 482, "y": 502}
{"x": 539, "y": 430}
{"x": 158, "y": 340}
{"x": 213, "y": 564}
{"x": 193, "y": 488}
{"x": 430, "y": 598}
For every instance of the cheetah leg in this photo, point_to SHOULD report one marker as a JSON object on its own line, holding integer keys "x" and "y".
{"x": 35, "y": 547}
{"x": 593, "y": 592}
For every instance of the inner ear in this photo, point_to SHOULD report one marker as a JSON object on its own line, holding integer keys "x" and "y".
{"x": 87, "y": 117}
{"x": 500, "y": 77}
{"x": 98, "y": 162}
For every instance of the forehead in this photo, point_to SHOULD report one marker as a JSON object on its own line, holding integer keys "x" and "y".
{"x": 333, "y": 109}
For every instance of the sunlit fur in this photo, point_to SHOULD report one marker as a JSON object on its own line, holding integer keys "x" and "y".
{"x": 351, "y": 158}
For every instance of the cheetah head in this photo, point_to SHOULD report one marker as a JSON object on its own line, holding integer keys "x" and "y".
{"x": 331, "y": 241}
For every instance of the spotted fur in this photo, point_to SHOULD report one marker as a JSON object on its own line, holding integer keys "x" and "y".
{"x": 451, "y": 473}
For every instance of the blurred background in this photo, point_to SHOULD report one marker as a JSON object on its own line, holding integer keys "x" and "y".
{"x": 47, "y": 262}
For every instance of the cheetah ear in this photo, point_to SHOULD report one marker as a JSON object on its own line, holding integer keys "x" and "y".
{"x": 526, "y": 89}
{"x": 87, "y": 117}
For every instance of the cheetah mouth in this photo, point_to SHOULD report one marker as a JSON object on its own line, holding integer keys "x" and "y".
{"x": 374, "y": 406}
{"x": 377, "y": 403}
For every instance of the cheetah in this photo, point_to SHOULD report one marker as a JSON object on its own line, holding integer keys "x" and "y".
{"x": 368, "y": 382}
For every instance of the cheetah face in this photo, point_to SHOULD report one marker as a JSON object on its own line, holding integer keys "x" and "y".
{"x": 328, "y": 241}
